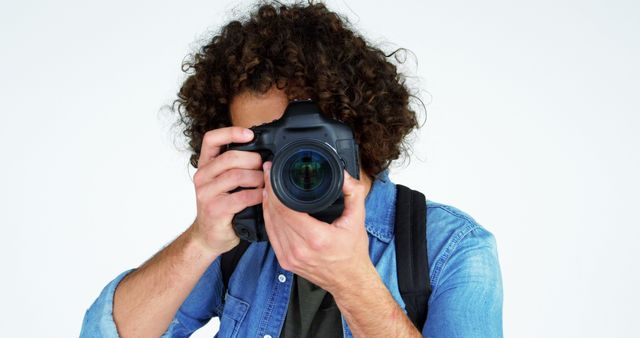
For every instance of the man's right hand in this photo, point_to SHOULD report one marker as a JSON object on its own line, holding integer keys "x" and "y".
{"x": 147, "y": 299}
{"x": 218, "y": 174}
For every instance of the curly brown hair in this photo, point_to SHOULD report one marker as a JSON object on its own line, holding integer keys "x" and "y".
{"x": 309, "y": 52}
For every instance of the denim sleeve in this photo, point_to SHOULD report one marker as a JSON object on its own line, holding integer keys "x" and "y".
{"x": 203, "y": 303}
{"x": 466, "y": 300}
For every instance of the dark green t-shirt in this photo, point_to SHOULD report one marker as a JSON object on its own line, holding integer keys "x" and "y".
{"x": 312, "y": 312}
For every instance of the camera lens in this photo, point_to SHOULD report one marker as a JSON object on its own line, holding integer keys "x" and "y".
{"x": 308, "y": 172}
{"x": 308, "y": 169}
{"x": 307, "y": 176}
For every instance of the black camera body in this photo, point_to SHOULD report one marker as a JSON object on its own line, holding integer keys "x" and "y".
{"x": 309, "y": 153}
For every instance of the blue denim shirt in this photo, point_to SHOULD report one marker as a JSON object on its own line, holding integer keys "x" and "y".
{"x": 466, "y": 300}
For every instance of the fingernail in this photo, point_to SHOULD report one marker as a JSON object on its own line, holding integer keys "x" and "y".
{"x": 247, "y": 132}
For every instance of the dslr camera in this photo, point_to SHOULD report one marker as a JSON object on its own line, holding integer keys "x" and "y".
{"x": 309, "y": 153}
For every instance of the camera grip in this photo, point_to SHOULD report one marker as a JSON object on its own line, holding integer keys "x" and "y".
{"x": 248, "y": 224}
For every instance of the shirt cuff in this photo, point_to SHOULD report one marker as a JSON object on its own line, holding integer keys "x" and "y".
{"x": 98, "y": 320}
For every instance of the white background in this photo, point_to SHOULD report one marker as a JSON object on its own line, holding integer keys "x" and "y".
{"x": 532, "y": 128}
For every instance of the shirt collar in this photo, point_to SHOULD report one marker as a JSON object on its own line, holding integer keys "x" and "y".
{"x": 380, "y": 207}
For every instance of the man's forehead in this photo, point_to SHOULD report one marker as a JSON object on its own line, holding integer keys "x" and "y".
{"x": 250, "y": 108}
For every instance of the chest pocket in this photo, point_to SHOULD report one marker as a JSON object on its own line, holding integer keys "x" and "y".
{"x": 233, "y": 313}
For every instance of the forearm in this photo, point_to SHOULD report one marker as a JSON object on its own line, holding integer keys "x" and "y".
{"x": 146, "y": 300}
{"x": 371, "y": 311}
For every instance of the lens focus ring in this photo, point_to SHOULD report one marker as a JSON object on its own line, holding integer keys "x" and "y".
{"x": 307, "y": 175}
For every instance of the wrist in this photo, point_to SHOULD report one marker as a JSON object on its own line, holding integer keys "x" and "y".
{"x": 360, "y": 280}
{"x": 197, "y": 245}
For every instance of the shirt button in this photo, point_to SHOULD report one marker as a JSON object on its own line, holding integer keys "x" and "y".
{"x": 282, "y": 278}
{"x": 268, "y": 335}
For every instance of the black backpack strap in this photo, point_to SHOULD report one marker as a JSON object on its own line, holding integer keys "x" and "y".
{"x": 411, "y": 253}
{"x": 229, "y": 260}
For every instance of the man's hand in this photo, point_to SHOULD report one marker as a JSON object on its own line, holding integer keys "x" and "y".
{"x": 336, "y": 258}
{"x": 332, "y": 256}
{"x": 218, "y": 174}
{"x": 147, "y": 299}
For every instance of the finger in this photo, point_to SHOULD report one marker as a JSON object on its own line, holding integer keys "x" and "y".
{"x": 228, "y": 160}
{"x": 354, "y": 210}
{"x": 272, "y": 233}
{"x": 274, "y": 201}
{"x": 213, "y": 140}
{"x": 304, "y": 225}
{"x": 231, "y": 179}
{"x": 271, "y": 216}
{"x": 294, "y": 247}
{"x": 290, "y": 248}
{"x": 239, "y": 200}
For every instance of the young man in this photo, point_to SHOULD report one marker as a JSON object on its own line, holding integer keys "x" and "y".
{"x": 311, "y": 279}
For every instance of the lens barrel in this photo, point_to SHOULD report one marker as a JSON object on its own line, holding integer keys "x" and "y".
{"x": 307, "y": 175}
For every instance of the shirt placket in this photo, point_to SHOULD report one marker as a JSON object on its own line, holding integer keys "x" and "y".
{"x": 274, "y": 316}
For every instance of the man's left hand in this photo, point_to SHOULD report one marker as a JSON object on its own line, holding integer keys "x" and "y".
{"x": 333, "y": 256}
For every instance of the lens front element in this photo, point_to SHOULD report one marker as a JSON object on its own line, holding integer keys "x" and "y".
{"x": 307, "y": 169}
{"x": 307, "y": 176}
